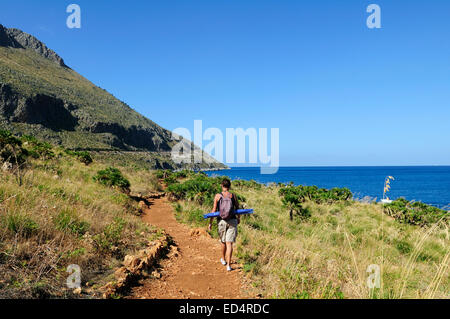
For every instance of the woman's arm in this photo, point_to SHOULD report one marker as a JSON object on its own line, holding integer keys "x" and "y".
{"x": 236, "y": 203}
{"x": 216, "y": 200}
{"x": 236, "y": 207}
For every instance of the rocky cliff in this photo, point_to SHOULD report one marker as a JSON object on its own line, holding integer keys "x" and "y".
{"x": 16, "y": 38}
{"x": 40, "y": 95}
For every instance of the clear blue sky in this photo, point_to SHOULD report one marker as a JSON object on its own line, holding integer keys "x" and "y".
{"x": 340, "y": 93}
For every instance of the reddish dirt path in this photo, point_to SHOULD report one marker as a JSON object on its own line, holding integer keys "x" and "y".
{"x": 196, "y": 272}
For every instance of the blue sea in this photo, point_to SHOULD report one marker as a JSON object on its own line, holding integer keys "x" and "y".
{"x": 428, "y": 184}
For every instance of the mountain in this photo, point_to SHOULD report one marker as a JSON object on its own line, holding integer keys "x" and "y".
{"x": 40, "y": 95}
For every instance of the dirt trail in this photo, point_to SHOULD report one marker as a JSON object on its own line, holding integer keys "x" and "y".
{"x": 196, "y": 272}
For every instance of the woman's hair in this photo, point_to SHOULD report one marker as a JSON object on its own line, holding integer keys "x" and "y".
{"x": 226, "y": 183}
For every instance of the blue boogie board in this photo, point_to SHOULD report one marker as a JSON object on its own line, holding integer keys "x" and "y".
{"x": 238, "y": 212}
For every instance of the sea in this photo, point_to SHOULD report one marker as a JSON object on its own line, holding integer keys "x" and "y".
{"x": 428, "y": 184}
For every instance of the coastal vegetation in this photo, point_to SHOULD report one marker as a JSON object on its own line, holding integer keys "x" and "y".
{"x": 294, "y": 196}
{"x": 416, "y": 213}
{"x": 327, "y": 247}
{"x": 58, "y": 209}
{"x": 55, "y": 210}
{"x": 74, "y": 159}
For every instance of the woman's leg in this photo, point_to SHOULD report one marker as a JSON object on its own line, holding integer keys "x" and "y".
{"x": 222, "y": 229}
{"x": 229, "y": 252}
{"x": 224, "y": 249}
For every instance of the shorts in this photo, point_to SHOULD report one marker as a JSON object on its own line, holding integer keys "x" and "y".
{"x": 228, "y": 230}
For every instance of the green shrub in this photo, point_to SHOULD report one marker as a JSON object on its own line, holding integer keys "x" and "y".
{"x": 112, "y": 177}
{"x": 21, "y": 224}
{"x": 111, "y": 234}
{"x": 11, "y": 149}
{"x": 83, "y": 156}
{"x": 317, "y": 195}
{"x": 75, "y": 253}
{"x": 171, "y": 177}
{"x": 181, "y": 174}
{"x": 178, "y": 208}
{"x": 195, "y": 216}
{"x": 415, "y": 213}
{"x": 68, "y": 221}
{"x": 40, "y": 290}
{"x": 252, "y": 184}
{"x": 250, "y": 261}
{"x": 120, "y": 198}
{"x": 161, "y": 174}
{"x": 403, "y": 246}
{"x": 169, "y": 180}
{"x": 293, "y": 203}
{"x": 294, "y": 196}
{"x": 200, "y": 189}
{"x": 240, "y": 198}
{"x": 38, "y": 149}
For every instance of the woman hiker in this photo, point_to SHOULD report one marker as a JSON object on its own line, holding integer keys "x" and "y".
{"x": 226, "y": 203}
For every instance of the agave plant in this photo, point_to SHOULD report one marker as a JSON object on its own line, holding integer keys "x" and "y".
{"x": 293, "y": 204}
{"x": 387, "y": 186}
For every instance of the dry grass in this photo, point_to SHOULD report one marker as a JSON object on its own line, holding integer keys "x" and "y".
{"x": 328, "y": 254}
{"x": 60, "y": 216}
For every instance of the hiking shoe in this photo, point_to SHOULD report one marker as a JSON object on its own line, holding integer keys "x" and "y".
{"x": 223, "y": 262}
{"x": 229, "y": 268}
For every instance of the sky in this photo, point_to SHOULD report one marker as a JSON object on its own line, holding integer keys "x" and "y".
{"x": 340, "y": 93}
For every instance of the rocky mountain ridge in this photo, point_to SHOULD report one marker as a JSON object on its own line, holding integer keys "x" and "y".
{"x": 41, "y": 96}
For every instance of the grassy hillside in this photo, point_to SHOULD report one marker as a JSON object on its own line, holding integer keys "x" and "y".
{"x": 325, "y": 251}
{"x": 59, "y": 207}
{"x": 56, "y": 211}
{"x": 54, "y": 103}
{"x": 31, "y": 74}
